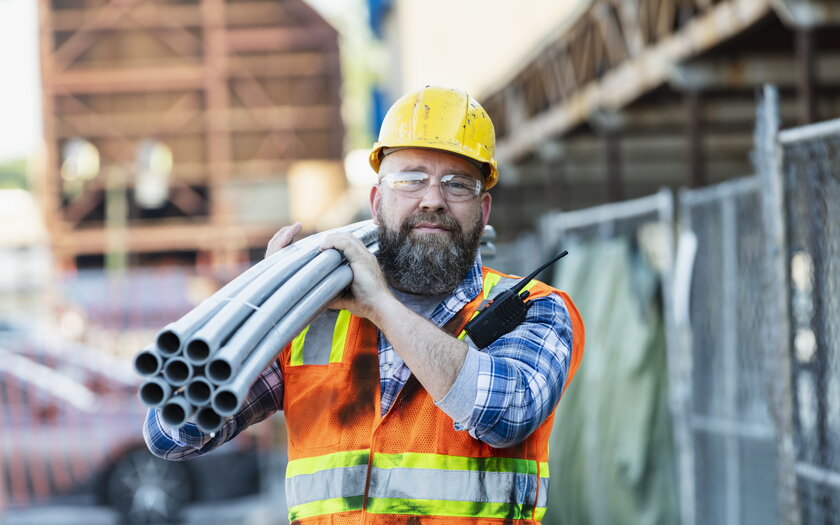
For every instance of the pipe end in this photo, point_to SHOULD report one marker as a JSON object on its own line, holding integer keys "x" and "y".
{"x": 168, "y": 342}
{"x": 219, "y": 371}
{"x": 197, "y": 351}
{"x": 174, "y": 414}
{"x": 199, "y": 392}
{"x": 147, "y": 363}
{"x": 152, "y": 394}
{"x": 225, "y": 402}
{"x": 208, "y": 420}
{"x": 177, "y": 371}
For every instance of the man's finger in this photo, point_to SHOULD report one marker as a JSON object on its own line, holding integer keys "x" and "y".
{"x": 344, "y": 242}
{"x": 282, "y": 238}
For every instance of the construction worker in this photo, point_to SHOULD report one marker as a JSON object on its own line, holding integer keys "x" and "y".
{"x": 393, "y": 414}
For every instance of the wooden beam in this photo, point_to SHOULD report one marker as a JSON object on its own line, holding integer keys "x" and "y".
{"x": 281, "y": 39}
{"x": 694, "y": 135}
{"x": 164, "y": 235}
{"x": 806, "y": 75}
{"x": 135, "y": 79}
{"x": 636, "y": 76}
{"x": 142, "y": 16}
{"x": 750, "y": 71}
{"x": 808, "y": 14}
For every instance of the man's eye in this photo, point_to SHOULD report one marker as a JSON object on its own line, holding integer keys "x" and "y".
{"x": 456, "y": 185}
{"x": 408, "y": 183}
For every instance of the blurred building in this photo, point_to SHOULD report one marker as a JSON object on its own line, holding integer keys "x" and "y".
{"x": 187, "y": 130}
{"x": 24, "y": 254}
{"x": 606, "y": 100}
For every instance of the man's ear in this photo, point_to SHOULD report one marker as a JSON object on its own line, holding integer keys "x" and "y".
{"x": 375, "y": 195}
{"x": 486, "y": 201}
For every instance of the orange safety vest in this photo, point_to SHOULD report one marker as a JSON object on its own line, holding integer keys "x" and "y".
{"x": 348, "y": 464}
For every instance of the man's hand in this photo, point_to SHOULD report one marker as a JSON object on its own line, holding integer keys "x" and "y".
{"x": 282, "y": 238}
{"x": 369, "y": 295}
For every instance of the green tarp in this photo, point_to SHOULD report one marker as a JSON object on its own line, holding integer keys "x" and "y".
{"x": 612, "y": 456}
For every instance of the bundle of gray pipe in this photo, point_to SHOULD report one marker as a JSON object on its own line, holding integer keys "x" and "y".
{"x": 202, "y": 365}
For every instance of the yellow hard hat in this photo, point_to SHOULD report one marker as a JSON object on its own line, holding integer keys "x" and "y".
{"x": 443, "y": 119}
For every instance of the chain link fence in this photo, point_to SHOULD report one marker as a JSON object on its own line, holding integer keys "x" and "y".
{"x": 750, "y": 284}
{"x": 756, "y": 335}
{"x": 811, "y": 175}
{"x": 730, "y": 471}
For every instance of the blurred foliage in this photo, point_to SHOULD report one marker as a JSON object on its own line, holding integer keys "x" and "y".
{"x": 13, "y": 175}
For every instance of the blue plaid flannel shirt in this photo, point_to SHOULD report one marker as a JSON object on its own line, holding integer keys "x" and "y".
{"x": 501, "y": 395}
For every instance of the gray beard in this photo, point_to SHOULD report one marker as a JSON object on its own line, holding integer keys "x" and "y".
{"x": 427, "y": 264}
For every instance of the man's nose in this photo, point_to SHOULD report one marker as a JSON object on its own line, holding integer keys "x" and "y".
{"x": 433, "y": 199}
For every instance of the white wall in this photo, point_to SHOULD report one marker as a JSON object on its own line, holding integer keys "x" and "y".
{"x": 476, "y": 45}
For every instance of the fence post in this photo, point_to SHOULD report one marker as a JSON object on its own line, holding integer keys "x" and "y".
{"x": 768, "y": 159}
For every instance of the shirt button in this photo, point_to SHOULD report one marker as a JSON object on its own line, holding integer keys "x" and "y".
{"x": 386, "y": 367}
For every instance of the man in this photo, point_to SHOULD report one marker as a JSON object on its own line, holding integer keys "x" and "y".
{"x": 393, "y": 415}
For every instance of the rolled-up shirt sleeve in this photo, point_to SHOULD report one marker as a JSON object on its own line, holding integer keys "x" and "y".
{"x": 505, "y": 391}
{"x": 264, "y": 398}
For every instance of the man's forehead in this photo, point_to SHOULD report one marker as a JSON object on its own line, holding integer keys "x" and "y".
{"x": 420, "y": 159}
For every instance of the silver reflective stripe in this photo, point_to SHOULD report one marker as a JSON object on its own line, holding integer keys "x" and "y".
{"x": 505, "y": 283}
{"x": 318, "y": 341}
{"x": 326, "y": 484}
{"x": 542, "y": 499}
{"x": 453, "y": 485}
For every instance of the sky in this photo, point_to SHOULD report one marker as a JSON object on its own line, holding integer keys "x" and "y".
{"x": 20, "y": 89}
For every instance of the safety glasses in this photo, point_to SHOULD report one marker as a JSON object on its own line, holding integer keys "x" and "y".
{"x": 415, "y": 184}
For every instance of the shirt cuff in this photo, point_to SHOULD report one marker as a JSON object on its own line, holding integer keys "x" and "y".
{"x": 459, "y": 402}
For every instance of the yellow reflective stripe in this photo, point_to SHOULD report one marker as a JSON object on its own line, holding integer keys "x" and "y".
{"x": 326, "y": 506}
{"x": 442, "y": 462}
{"x": 436, "y": 507}
{"x": 314, "y": 464}
{"x": 540, "y": 514}
{"x": 296, "y": 359}
{"x": 490, "y": 281}
{"x": 342, "y": 324}
{"x": 529, "y": 286}
{"x": 544, "y": 469}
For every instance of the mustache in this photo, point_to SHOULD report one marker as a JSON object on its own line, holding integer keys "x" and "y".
{"x": 439, "y": 219}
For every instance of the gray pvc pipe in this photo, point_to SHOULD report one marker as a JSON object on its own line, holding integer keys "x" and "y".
{"x": 229, "y": 397}
{"x": 199, "y": 391}
{"x": 177, "y": 371}
{"x": 487, "y": 250}
{"x": 176, "y": 411}
{"x": 226, "y": 361}
{"x": 154, "y": 392}
{"x": 208, "y": 420}
{"x": 148, "y": 361}
{"x": 206, "y": 341}
{"x": 171, "y": 339}
{"x": 488, "y": 235}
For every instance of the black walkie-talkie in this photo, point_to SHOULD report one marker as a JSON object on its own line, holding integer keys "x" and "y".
{"x": 505, "y": 312}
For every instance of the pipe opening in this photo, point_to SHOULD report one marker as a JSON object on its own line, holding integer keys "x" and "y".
{"x": 147, "y": 363}
{"x": 168, "y": 342}
{"x": 199, "y": 392}
{"x": 173, "y": 414}
{"x": 219, "y": 370}
{"x": 197, "y": 351}
{"x": 177, "y": 371}
{"x": 208, "y": 419}
{"x": 151, "y": 393}
{"x": 225, "y": 402}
